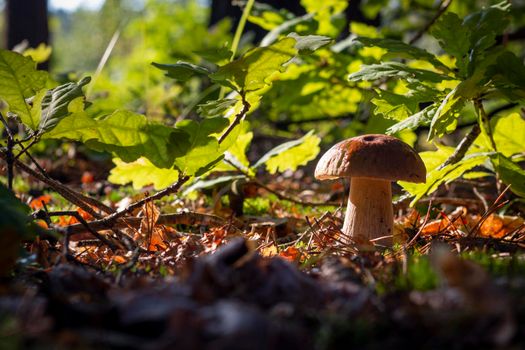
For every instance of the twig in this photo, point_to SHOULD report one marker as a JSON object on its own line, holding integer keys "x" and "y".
{"x": 463, "y": 147}
{"x": 425, "y": 221}
{"x": 280, "y": 195}
{"x": 9, "y": 153}
{"x": 26, "y": 148}
{"x": 238, "y": 118}
{"x": 485, "y": 120}
{"x": 110, "y": 220}
{"x": 83, "y": 223}
{"x": 495, "y": 206}
{"x": 481, "y": 198}
{"x": 74, "y": 197}
{"x": 442, "y": 8}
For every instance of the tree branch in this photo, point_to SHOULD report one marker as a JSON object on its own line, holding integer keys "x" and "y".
{"x": 442, "y": 8}
{"x": 238, "y": 118}
{"x": 189, "y": 218}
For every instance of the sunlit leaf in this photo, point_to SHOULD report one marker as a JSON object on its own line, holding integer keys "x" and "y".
{"x": 128, "y": 135}
{"x": 20, "y": 80}
{"x": 437, "y": 176}
{"x": 423, "y": 117}
{"x": 402, "y": 50}
{"x": 215, "y": 108}
{"x": 54, "y": 105}
{"x": 39, "y": 54}
{"x": 182, "y": 71}
{"x": 202, "y": 149}
{"x": 254, "y": 70}
{"x": 446, "y": 116}
{"x": 290, "y": 155}
{"x": 142, "y": 173}
{"x": 396, "y": 69}
{"x": 324, "y": 12}
{"x": 510, "y": 173}
{"x": 309, "y": 42}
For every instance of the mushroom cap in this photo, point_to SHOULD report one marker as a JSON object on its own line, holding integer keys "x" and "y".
{"x": 374, "y": 156}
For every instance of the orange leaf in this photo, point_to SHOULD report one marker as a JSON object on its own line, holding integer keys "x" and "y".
{"x": 38, "y": 203}
{"x": 291, "y": 254}
{"x": 87, "y": 177}
{"x": 42, "y": 224}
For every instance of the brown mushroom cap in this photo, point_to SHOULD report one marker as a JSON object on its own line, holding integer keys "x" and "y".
{"x": 372, "y": 156}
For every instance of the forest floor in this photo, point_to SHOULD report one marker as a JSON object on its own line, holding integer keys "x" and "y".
{"x": 191, "y": 274}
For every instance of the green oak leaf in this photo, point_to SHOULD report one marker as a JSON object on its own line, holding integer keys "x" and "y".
{"x": 124, "y": 133}
{"x": 446, "y": 116}
{"x": 326, "y": 13}
{"x": 140, "y": 173}
{"x": 291, "y": 154}
{"x": 402, "y": 50}
{"x": 253, "y": 71}
{"x": 214, "y": 54}
{"x": 396, "y": 70}
{"x": 202, "y": 149}
{"x": 508, "y": 76}
{"x": 453, "y": 37}
{"x": 421, "y": 118}
{"x": 437, "y": 176}
{"x": 510, "y": 173}
{"x": 20, "y": 80}
{"x": 468, "y": 39}
{"x": 309, "y": 43}
{"x": 55, "y": 102}
{"x": 182, "y": 71}
{"x": 508, "y": 132}
{"x": 215, "y": 108}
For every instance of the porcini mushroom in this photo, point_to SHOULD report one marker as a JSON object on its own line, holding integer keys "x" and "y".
{"x": 371, "y": 162}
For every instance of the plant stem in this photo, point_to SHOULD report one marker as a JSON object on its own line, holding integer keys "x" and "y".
{"x": 237, "y": 120}
{"x": 9, "y": 159}
{"x": 484, "y": 122}
{"x": 237, "y": 36}
{"x": 442, "y": 8}
{"x": 463, "y": 147}
{"x": 240, "y": 28}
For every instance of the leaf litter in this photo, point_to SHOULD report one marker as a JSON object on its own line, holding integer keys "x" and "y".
{"x": 281, "y": 279}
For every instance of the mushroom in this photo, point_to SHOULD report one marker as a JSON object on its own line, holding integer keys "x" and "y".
{"x": 372, "y": 162}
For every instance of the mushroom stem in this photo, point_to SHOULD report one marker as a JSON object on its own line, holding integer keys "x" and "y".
{"x": 369, "y": 213}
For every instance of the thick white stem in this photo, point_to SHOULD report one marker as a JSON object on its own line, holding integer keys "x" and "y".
{"x": 369, "y": 214}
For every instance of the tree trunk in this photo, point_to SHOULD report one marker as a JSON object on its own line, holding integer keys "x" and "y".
{"x": 26, "y": 20}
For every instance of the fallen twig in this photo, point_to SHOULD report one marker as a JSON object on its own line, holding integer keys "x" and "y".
{"x": 189, "y": 218}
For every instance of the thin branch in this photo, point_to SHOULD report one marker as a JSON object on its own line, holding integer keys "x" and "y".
{"x": 189, "y": 218}
{"x": 110, "y": 220}
{"x": 280, "y": 195}
{"x": 87, "y": 227}
{"x": 238, "y": 118}
{"x": 72, "y": 196}
{"x": 463, "y": 147}
{"x": 484, "y": 118}
{"x": 9, "y": 153}
{"x": 442, "y": 8}
{"x": 26, "y": 148}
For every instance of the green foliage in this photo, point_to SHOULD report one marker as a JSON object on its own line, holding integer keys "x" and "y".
{"x": 253, "y": 71}
{"x": 483, "y": 71}
{"x": 290, "y": 155}
{"x": 142, "y": 173}
{"x": 396, "y": 70}
{"x": 372, "y": 80}
{"x": 182, "y": 71}
{"x": 55, "y": 102}
{"x": 20, "y": 80}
